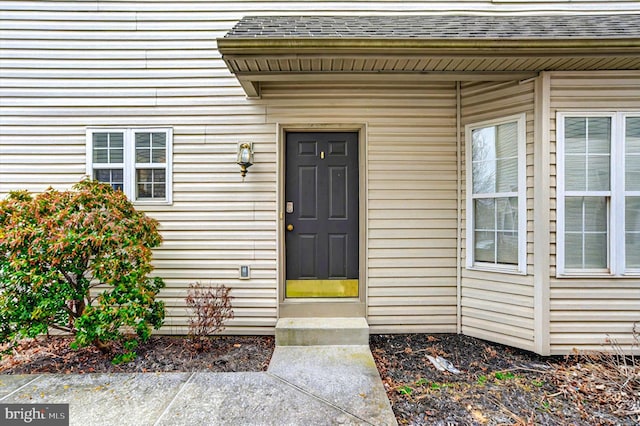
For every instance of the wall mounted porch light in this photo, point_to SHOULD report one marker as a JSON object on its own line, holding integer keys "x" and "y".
{"x": 245, "y": 157}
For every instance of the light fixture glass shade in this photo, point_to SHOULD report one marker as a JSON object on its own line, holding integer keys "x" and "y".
{"x": 245, "y": 157}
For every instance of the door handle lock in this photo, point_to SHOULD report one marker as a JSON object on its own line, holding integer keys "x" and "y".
{"x": 289, "y": 227}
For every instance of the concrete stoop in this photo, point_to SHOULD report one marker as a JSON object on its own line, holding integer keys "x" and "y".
{"x": 329, "y": 361}
{"x": 322, "y": 331}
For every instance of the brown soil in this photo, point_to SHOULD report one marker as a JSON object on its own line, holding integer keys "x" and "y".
{"x": 496, "y": 384}
{"x": 160, "y": 353}
{"x": 500, "y": 385}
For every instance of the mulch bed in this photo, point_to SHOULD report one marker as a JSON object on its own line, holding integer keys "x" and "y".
{"x": 501, "y": 385}
{"x": 158, "y": 354}
{"x": 496, "y": 384}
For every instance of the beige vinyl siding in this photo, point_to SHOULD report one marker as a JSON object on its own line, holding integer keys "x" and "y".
{"x": 411, "y": 191}
{"x": 499, "y": 306}
{"x": 64, "y": 70}
{"x": 205, "y": 10}
{"x": 588, "y": 312}
{"x": 69, "y": 65}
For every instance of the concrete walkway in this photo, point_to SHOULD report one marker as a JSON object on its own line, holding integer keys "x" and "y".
{"x": 304, "y": 385}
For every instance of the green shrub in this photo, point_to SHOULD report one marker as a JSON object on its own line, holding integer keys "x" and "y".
{"x": 78, "y": 261}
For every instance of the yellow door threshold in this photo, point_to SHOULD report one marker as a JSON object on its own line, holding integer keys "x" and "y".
{"x": 322, "y": 288}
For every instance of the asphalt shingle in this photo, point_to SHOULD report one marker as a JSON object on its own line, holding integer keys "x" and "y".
{"x": 440, "y": 27}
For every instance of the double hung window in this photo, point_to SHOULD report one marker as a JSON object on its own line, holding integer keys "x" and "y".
{"x": 135, "y": 161}
{"x": 496, "y": 195}
{"x": 598, "y": 193}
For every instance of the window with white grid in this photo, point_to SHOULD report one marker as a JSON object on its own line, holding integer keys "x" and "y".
{"x": 496, "y": 195}
{"x": 135, "y": 161}
{"x": 598, "y": 193}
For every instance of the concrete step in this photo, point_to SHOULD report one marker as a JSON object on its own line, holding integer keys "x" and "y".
{"x": 322, "y": 331}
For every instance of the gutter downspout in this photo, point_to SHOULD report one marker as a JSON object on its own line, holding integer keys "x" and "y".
{"x": 459, "y": 200}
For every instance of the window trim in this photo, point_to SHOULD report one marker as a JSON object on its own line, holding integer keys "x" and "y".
{"x": 521, "y": 194}
{"x": 628, "y": 272}
{"x": 129, "y": 164}
{"x": 616, "y": 267}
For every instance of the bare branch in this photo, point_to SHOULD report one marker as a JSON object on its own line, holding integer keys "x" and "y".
{"x": 61, "y": 328}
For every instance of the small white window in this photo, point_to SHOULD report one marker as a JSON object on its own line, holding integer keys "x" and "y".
{"x": 496, "y": 195}
{"x": 135, "y": 161}
{"x": 598, "y": 193}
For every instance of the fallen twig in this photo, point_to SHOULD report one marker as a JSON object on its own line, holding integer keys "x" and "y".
{"x": 519, "y": 420}
{"x": 627, "y": 413}
{"x": 524, "y": 369}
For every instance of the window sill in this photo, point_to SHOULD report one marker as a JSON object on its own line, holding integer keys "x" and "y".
{"x": 146, "y": 203}
{"x": 497, "y": 269}
{"x": 569, "y": 275}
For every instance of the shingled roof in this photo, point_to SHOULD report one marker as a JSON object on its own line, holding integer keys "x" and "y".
{"x": 263, "y": 49}
{"x": 440, "y": 27}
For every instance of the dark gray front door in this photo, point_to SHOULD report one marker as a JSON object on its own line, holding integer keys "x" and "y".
{"x": 321, "y": 214}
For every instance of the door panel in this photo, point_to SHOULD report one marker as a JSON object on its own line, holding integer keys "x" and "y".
{"x": 338, "y": 255}
{"x": 338, "y": 197}
{"x": 321, "y": 185}
{"x": 308, "y": 244}
{"x": 307, "y": 192}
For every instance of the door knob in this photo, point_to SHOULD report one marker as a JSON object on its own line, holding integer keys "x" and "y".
{"x": 289, "y": 227}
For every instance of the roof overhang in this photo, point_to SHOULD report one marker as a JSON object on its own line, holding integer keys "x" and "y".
{"x": 257, "y": 60}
